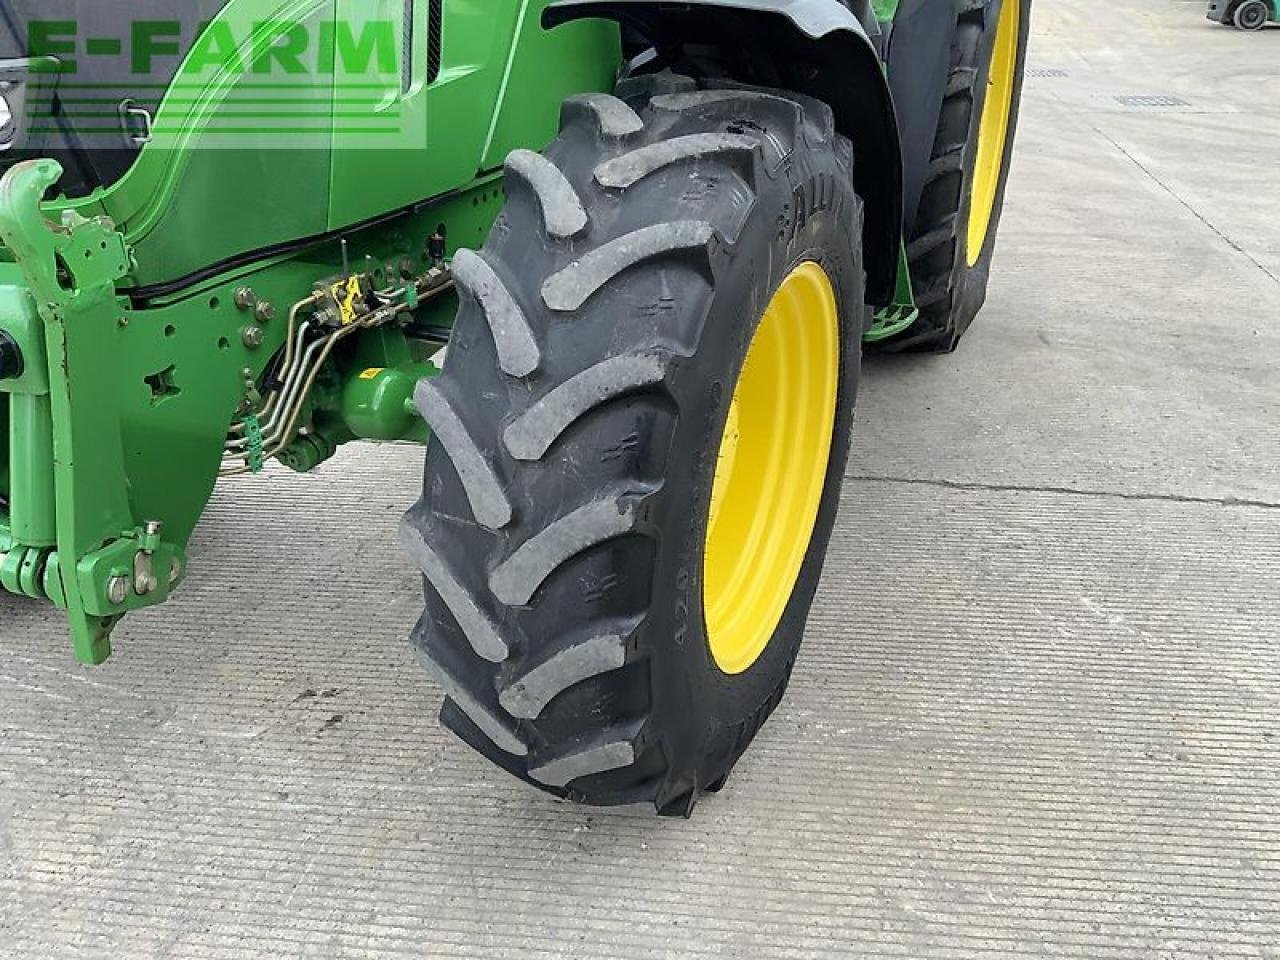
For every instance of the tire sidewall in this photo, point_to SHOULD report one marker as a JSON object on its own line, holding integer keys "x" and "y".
{"x": 717, "y": 711}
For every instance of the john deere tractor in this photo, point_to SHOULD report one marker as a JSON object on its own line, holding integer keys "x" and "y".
{"x": 613, "y": 262}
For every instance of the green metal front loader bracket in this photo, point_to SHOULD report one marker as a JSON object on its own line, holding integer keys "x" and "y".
{"x": 104, "y": 563}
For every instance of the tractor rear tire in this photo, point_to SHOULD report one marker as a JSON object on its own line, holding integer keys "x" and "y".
{"x": 952, "y": 242}
{"x": 580, "y": 425}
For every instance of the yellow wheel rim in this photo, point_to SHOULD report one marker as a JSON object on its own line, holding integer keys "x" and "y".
{"x": 993, "y": 131}
{"x": 772, "y": 469}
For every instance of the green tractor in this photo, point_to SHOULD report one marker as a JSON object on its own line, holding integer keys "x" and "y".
{"x": 613, "y": 262}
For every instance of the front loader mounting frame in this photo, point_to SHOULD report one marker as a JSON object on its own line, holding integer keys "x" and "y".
{"x": 118, "y": 423}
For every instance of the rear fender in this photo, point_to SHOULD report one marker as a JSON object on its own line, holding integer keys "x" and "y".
{"x": 815, "y": 47}
{"x": 919, "y": 62}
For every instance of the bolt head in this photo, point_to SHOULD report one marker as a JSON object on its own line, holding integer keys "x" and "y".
{"x": 265, "y": 311}
{"x": 253, "y": 337}
{"x": 245, "y": 298}
{"x": 117, "y": 590}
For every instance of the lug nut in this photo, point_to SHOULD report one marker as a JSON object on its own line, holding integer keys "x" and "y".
{"x": 145, "y": 585}
{"x": 117, "y": 590}
{"x": 253, "y": 337}
{"x": 245, "y": 298}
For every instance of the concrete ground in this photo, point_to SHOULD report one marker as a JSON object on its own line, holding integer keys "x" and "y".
{"x": 1038, "y": 713}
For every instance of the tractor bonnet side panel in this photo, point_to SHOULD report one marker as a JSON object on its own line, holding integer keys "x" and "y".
{"x": 216, "y": 180}
{"x": 443, "y": 109}
{"x": 500, "y": 84}
{"x": 227, "y": 180}
{"x": 545, "y": 67}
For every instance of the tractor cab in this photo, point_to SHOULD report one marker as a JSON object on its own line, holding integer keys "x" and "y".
{"x": 78, "y": 91}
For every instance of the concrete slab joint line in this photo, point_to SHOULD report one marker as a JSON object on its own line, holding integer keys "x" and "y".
{"x": 1233, "y": 244}
{"x": 1066, "y": 491}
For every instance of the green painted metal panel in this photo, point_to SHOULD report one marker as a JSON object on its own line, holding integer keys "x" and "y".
{"x": 544, "y": 67}
{"x": 447, "y": 120}
{"x": 188, "y": 202}
{"x": 184, "y": 209}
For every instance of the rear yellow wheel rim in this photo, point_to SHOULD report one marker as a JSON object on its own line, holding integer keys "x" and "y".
{"x": 772, "y": 468}
{"x": 993, "y": 130}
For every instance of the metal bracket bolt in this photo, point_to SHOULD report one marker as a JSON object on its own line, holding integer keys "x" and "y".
{"x": 145, "y": 580}
{"x": 117, "y": 590}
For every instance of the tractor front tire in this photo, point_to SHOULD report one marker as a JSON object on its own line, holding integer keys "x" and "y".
{"x": 952, "y": 242}
{"x": 639, "y": 439}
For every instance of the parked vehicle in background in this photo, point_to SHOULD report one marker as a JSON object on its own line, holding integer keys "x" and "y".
{"x": 1245, "y": 14}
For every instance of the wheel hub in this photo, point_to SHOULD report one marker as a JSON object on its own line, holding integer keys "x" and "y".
{"x": 772, "y": 468}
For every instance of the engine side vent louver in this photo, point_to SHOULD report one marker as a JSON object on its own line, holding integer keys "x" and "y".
{"x": 435, "y": 32}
